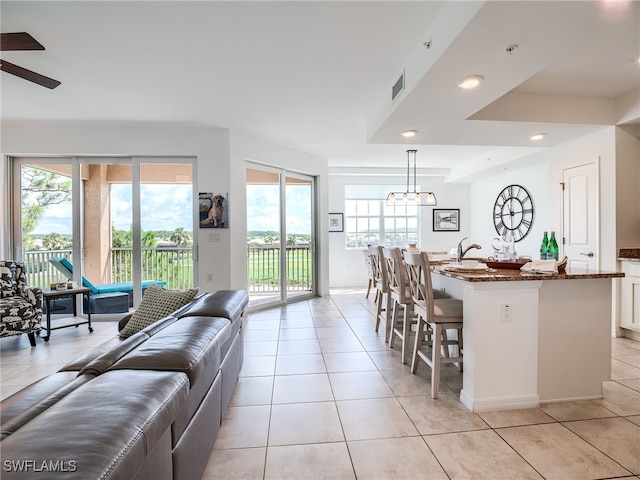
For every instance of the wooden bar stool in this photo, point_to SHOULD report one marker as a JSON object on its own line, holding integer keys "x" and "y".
{"x": 435, "y": 316}
{"x": 371, "y": 281}
{"x": 381, "y": 281}
{"x": 401, "y": 299}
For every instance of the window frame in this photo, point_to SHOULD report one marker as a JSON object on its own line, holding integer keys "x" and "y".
{"x": 382, "y": 215}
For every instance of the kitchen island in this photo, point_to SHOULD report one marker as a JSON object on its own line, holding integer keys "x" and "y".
{"x": 531, "y": 338}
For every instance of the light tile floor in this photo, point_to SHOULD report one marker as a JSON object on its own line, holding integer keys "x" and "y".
{"x": 322, "y": 396}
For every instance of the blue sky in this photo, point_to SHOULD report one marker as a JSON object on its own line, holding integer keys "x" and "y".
{"x": 167, "y": 207}
{"x": 162, "y": 206}
{"x": 263, "y": 211}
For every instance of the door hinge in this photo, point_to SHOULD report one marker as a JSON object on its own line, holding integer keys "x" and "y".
{"x": 562, "y": 186}
{"x": 564, "y": 240}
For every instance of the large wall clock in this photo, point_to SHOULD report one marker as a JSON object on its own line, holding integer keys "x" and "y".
{"x": 513, "y": 212}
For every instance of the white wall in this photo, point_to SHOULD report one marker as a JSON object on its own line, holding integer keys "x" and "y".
{"x": 536, "y": 179}
{"x": 597, "y": 147}
{"x": 224, "y": 257}
{"x": 347, "y": 267}
{"x": 627, "y": 189}
{"x": 245, "y": 148}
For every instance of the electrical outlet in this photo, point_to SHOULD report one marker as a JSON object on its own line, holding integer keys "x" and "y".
{"x": 505, "y": 312}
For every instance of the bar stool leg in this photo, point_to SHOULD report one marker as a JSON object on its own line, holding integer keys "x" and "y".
{"x": 406, "y": 330}
{"x": 435, "y": 360}
{"x": 417, "y": 343}
{"x": 388, "y": 314}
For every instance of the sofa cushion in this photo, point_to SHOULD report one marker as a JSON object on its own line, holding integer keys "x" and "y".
{"x": 80, "y": 362}
{"x": 25, "y": 405}
{"x": 103, "y": 362}
{"x": 15, "y": 405}
{"x": 229, "y": 304}
{"x": 222, "y": 303}
{"x": 103, "y": 430}
{"x": 190, "y": 345}
{"x": 156, "y": 304}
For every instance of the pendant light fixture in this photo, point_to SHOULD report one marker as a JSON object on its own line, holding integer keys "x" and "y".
{"x": 423, "y": 199}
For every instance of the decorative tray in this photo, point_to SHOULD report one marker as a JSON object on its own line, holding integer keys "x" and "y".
{"x": 508, "y": 264}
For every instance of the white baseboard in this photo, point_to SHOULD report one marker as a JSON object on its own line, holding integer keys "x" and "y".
{"x": 500, "y": 403}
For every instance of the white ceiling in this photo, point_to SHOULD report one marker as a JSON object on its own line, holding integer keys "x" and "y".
{"x": 317, "y": 76}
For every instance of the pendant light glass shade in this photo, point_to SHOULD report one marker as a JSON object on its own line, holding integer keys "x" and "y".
{"x": 410, "y": 196}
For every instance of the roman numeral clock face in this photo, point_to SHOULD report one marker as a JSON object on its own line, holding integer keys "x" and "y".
{"x": 513, "y": 212}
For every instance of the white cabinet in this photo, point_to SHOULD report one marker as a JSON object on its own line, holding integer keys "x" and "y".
{"x": 630, "y": 296}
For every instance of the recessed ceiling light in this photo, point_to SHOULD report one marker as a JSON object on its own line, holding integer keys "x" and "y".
{"x": 409, "y": 133}
{"x": 537, "y": 136}
{"x": 471, "y": 82}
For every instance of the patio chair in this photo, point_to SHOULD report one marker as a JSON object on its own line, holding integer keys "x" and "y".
{"x": 65, "y": 267}
{"x": 20, "y": 305}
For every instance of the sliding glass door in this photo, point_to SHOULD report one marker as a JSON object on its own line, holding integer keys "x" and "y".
{"x": 281, "y": 261}
{"x": 43, "y": 218}
{"x": 299, "y": 240}
{"x": 120, "y": 224}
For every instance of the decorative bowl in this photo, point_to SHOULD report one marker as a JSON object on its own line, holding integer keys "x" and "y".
{"x": 514, "y": 264}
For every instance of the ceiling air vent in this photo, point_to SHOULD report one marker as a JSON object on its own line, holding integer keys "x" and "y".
{"x": 397, "y": 87}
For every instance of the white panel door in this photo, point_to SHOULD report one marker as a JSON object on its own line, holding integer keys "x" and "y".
{"x": 580, "y": 216}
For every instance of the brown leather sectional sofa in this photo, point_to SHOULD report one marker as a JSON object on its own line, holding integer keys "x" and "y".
{"x": 147, "y": 407}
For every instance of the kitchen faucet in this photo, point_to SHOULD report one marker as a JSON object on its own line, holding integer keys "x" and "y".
{"x": 462, "y": 253}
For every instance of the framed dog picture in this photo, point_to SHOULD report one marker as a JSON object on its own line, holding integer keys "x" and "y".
{"x": 214, "y": 210}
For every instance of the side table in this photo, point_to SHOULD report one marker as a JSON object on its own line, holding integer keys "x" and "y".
{"x": 49, "y": 294}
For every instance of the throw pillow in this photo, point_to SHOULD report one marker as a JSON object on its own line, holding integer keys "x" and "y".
{"x": 156, "y": 304}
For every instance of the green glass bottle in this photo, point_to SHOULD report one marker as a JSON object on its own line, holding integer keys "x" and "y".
{"x": 553, "y": 247}
{"x": 544, "y": 248}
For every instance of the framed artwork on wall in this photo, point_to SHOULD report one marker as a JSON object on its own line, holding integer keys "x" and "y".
{"x": 446, "y": 219}
{"x": 214, "y": 210}
{"x": 336, "y": 222}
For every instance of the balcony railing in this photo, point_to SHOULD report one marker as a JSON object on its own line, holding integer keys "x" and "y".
{"x": 263, "y": 264}
{"x": 40, "y": 272}
{"x": 175, "y": 266}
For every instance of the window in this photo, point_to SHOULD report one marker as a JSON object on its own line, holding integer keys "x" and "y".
{"x": 117, "y": 220}
{"x": 373, "y": 222}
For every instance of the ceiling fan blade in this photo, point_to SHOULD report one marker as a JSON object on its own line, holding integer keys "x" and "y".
{"x": 28, "y": 75}
{"x": 18, "y": 41}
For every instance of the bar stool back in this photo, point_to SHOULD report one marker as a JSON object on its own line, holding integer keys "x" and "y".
{"x": 381, "y": 281}
{"x": 400, "y": 298}
{"x": 367, "y": 261}
{"x": 435, "y": 316}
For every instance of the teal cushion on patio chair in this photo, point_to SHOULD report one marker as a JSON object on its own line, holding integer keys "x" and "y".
{"x": 65, "y": 267}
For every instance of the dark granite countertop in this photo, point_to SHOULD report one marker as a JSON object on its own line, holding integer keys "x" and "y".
{"x": 629, "y": 254}
{"x": 505, "y": 275}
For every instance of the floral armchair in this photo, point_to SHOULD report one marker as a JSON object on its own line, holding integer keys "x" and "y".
{"x": 20, "y": 305}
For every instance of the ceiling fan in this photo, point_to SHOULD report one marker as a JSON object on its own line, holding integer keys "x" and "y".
{"x": 23, "y": 41}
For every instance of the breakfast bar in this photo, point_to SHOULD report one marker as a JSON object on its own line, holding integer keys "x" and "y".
{"x": 531, "y": 338}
